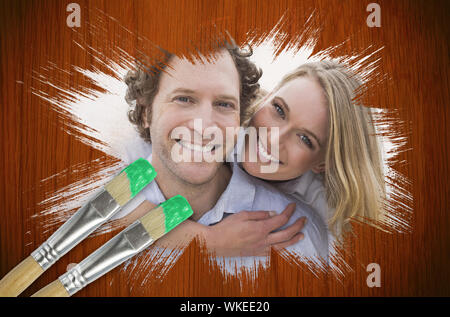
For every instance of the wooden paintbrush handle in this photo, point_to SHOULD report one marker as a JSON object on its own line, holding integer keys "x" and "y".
{"x": 20, "y": 277}
{"x": 54, "y": 289}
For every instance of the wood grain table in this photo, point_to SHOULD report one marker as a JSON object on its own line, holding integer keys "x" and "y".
{"x": 413, "y": 58}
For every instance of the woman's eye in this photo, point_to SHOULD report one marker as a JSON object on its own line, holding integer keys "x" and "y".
{"x": 279, "y": 110}
{"x": 305, "y": 139}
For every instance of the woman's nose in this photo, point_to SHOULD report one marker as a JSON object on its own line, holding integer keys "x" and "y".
{"x": 278, "y": 134}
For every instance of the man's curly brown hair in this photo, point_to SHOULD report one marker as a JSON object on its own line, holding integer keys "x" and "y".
{"x": 143, "y": 86}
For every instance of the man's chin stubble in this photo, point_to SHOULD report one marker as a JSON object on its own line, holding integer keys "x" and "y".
{"x": 177, "y": 171}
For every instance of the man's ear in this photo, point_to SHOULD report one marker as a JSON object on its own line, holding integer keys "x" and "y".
{"x": 319, "y": 168}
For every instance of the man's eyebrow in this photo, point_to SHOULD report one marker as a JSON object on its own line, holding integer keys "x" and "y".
{"x": 190, "y": 91}
{"x": 306, "y": 130}
{"x": 229, "y": 97}
{"x": 182, "y": 90}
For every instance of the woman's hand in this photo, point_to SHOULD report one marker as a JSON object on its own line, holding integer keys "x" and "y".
{"x": 251, "y": 233}
{"x": 247, "y": 233}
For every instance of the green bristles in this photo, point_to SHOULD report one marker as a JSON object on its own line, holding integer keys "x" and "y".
{"x": 166, "y": 216}
{"x": 176, "y": 210}
{"x": 140, "y": 173}
{"x": 131, "y": 181}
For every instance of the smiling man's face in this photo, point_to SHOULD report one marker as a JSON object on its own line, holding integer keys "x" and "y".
{"x": 189, "y": 93}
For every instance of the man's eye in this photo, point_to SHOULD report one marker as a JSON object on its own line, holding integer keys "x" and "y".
{"x": 183, "y": 99}
{"x": 279, "y": 110}
{"x": 225, "y": 104}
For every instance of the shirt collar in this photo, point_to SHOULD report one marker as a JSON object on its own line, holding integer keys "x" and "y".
{"x": 239, "y": 189}
{"x": 239, "y": 195}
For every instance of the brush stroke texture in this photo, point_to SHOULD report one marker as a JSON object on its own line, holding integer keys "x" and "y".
{"x": 97, "y": 118}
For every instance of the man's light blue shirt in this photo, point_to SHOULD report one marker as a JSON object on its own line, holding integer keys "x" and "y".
{"x": 245, "y": 192}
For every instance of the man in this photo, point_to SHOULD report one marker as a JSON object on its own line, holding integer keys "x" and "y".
{"x": 217, "y": 92}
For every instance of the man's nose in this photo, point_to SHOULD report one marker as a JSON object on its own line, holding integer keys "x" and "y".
{"x": 204, "y": 120}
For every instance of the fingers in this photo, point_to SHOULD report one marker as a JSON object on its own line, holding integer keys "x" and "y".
{"x": 280, "y": 220}
{"x": 298, "y": 237}
{"x": 140, "y": 210}
{"x": 288, "y": 233}
{"x": 256, "y": 215}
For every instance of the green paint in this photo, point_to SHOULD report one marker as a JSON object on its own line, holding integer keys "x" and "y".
{"x": 176, "y": 210}
{"x": 140, "y": 173}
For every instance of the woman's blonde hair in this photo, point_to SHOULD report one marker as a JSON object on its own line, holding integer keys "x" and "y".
{"x": 353, "y": 176}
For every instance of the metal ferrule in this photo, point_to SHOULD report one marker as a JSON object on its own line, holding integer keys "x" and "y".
{"x": 79, "y": 226}
{"x": 123, "y": 246}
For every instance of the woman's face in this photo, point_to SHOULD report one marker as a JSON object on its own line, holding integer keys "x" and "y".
{"x": 299, "y": 110}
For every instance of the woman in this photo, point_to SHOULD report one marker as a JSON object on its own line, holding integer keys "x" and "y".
{"x": 328, "y": 151}
{"x": 328, "y": 157}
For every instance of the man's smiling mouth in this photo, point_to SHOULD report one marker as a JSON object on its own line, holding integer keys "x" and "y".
{"x": 210, "y": 147}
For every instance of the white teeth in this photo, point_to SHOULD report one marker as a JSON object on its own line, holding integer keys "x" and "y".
{"x": 196, "y": 147}
{"x": 264, "y": 153}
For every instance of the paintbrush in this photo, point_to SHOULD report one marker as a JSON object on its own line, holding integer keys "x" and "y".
{"x": 131, "y": 241}
{"x": 120, "y": 190}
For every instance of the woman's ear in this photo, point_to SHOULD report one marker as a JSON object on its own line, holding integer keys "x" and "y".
{"x": 144, "y": 114}
{"x": 319, "y": 168}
